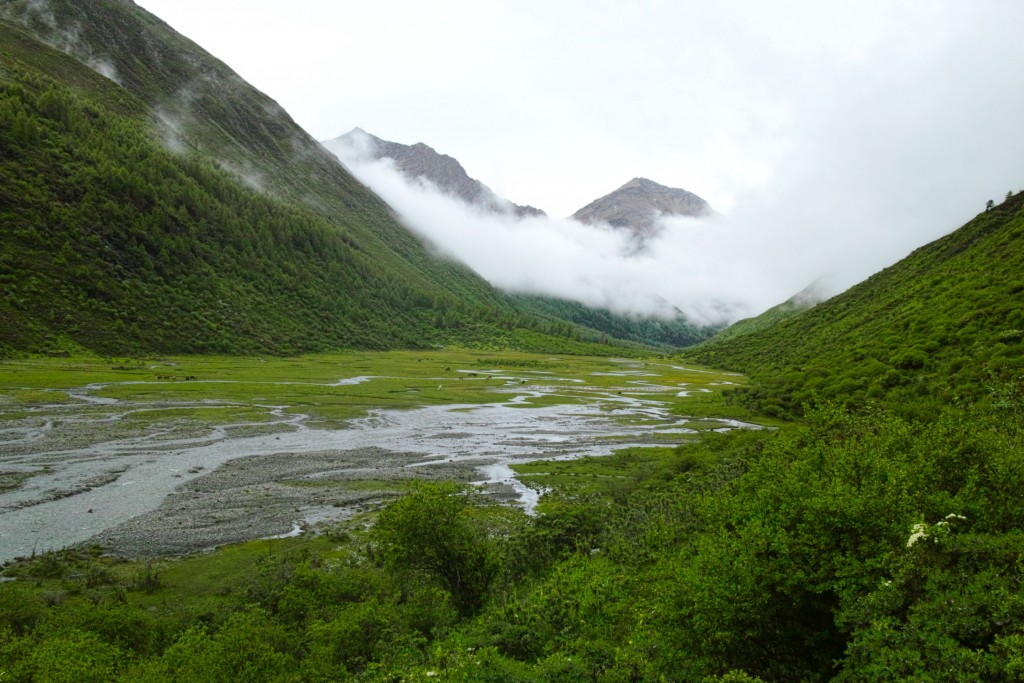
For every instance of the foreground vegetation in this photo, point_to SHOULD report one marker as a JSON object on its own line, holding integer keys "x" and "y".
{"x": 854, "y": 547}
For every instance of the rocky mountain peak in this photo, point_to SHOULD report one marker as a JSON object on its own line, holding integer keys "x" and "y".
{"x": 637, "y": 205}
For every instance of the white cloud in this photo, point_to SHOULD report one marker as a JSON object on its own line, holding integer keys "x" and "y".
{"x": 700, "y": 267}
{"x": 835, "y": 136}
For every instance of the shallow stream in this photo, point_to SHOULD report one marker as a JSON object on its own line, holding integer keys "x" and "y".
{"x": 85, "y": 479}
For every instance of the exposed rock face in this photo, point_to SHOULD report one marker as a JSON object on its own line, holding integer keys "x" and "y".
{"x": 422, "y": 161}
{"x": 637, "y": 205}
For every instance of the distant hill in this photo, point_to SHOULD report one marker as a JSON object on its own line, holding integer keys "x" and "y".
{"x": 806, "y": 298}
{"x": 666, "y": 334}
{"x": 422, "y": 161}
{"x": 637, "y": 204}
{"x": 942, "y": 326}
{"x": 152, "y": 201}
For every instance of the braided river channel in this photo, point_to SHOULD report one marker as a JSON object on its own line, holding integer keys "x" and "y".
{"x": 70, "y": 473}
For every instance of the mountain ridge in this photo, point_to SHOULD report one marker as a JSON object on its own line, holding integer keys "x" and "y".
{"x": 420, "y": 160}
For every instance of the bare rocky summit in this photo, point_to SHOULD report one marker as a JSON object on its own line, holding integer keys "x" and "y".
{"x": 637, "y": 205}
{"x": 423, "y": 161}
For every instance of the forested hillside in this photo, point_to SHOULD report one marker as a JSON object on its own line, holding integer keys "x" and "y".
{"x": 120, "y": 240}
{"x": 193, "y": 103}
{"x": 666, "y": 334}
{"x": 940, "y": 327}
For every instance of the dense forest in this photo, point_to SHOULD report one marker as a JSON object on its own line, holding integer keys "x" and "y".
{"x": 118, "y": 240}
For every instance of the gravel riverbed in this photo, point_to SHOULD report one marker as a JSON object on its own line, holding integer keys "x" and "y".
{"x": 81, "y": 473}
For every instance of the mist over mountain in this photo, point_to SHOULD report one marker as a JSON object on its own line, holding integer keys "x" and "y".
{"x": 808, "y": 297}
{"x": 419, "y": 161}
{"x": 683, "y": 266}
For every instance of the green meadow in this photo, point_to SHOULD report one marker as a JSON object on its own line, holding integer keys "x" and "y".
{"x": 331, "y": 388}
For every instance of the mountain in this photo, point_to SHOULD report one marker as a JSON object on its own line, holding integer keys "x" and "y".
{"x": 637, "y": 205}
{"x": 943, "y": 326}
{"x": 421, "y": 161}
{"x": 808, "y": 297}
{"x": 153, "y": 201}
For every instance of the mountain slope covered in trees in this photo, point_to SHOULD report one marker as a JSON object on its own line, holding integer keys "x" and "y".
{"x": 666, "y": 334}
{"x": 153, "y": 201}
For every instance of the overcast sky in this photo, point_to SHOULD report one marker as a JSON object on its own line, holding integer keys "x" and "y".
{"x": 834, "y": 136}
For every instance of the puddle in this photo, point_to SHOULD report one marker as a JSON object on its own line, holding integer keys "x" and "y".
{"x": 625, "y": 373}
{"x": 351, "y": 381}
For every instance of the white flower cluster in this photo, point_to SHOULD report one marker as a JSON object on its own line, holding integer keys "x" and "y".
{"x": 951, "y": 517}
{"x": 917, "y": 532}
{"x": 922, "y": 531}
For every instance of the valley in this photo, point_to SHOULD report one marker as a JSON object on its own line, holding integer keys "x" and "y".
{"x": 259, "y": 422}
{"x": 145, "y": 462}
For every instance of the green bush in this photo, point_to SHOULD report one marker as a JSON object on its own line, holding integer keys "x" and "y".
{"x": 434, "y": 532}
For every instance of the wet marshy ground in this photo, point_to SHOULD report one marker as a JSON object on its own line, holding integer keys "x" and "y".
{"x": 146, "y": 473}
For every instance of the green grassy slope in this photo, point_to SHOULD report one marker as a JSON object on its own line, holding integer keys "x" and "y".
{"x": 940, "y": 326}
{"x": 773, "y": 316}
{"x": 197, "y": 103}
{"x": 131, "y": 222}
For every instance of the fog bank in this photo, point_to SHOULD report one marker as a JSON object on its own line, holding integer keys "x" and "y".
{"x": 705, "y": 268}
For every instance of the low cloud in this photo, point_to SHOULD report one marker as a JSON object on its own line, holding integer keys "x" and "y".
{"x": 704, "y": 268}
{"x": 65, "y": 36}
{"x": 104, "y": 68}
{"x": 170, "y": 130}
